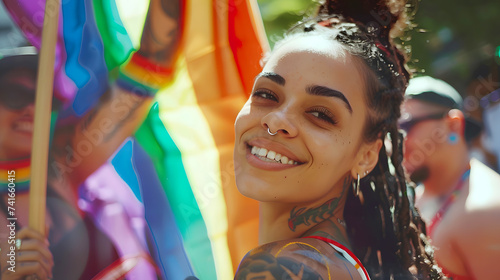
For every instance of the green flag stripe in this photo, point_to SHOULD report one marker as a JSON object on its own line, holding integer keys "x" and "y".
{"x": 167, "y": 158}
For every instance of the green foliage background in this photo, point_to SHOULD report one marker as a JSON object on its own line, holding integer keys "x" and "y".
{"x": 452, "y": 38}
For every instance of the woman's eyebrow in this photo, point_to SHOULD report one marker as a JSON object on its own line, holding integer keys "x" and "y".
{"x": 273, "y": 77}
{"x": 328, "y": 92}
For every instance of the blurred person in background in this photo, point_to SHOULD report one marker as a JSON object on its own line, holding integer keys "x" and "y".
{"x": 74, "y": 247}
{"x": 458, "y": 195}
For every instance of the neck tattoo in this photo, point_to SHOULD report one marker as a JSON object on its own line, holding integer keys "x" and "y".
{"x": 315, "y": 215}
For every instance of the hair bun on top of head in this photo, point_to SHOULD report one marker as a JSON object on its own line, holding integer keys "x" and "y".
{"x": 381, "y": 21}
{"x": 383, "y": 18}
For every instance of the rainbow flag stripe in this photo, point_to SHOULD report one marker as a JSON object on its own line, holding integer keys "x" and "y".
{"x": 20, "y": 177}
{"x": 142, "y": 77}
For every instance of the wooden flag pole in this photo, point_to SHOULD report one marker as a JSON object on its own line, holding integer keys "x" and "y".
{"x": 43, "y": 107}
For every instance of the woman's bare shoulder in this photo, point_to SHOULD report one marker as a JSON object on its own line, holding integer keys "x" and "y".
{"x": 302, "y": 258}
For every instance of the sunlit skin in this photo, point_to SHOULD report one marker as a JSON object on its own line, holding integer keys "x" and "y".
{"x": 323, "y": 135}
{"x": 312, "y": 92}
{"x": 16, "y": 126}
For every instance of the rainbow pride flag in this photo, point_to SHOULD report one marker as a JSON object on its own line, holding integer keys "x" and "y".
{"x": 200, "y": 223}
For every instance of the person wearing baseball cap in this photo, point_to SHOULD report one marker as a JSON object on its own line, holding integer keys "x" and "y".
{"x": 458, "y": 195}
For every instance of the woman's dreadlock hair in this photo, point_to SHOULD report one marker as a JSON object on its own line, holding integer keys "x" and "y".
{"x": 384, "y": 228}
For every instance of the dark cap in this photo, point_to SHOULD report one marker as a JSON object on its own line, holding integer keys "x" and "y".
{"x": 440, "y": 93}
{"x": 23, "y": 61}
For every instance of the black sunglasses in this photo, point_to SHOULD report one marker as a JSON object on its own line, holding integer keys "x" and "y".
{"x": 17, "y": 97}
{"x": 409, "y": 124}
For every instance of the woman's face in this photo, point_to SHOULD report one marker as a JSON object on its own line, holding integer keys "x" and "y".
{"x": 16, "y": 124}
{"x": 313, "y": 93}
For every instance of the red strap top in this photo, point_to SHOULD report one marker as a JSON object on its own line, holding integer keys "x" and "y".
{"x": 346, "y": 253}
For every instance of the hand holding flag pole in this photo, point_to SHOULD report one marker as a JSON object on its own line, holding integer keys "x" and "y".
{"x": 43, "y": 107}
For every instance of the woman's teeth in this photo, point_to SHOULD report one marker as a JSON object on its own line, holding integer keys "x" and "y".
{"x": 271, "y": 156}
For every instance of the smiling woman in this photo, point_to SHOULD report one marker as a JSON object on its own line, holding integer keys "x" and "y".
{"x": 315, "y": 125}
{"x": 308, "y": 110}
{"x": 17, "y": 97}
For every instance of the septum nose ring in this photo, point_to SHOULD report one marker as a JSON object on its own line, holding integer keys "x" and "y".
{"x": 270, "y": 133}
